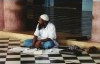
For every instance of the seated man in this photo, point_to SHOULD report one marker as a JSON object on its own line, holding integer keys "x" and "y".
{"x": 44, "y": 35}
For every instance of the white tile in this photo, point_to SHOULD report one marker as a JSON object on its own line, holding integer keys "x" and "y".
{"x": 13, "y": 56}
{"x": 72, "y": 61}
{"x": 42, "y": 55}
{"x": 51, "y": 51}
{"x": 84, "y": 52}
{"x": 42, "y": 61}
{"x": 4, "y": 40}
{"x": 2, "y": 59}
{"x": 88, "y": 63}
{"x": 97, "y": 60}
{"x": 84, "y": 58}
{"x": 14, "y": 42}
{"x": 4, "y": 49}
{"x": 12, "y": 46}
{"x": 3, "y": 44}
{"x": 3, "y": 54}
{"x": 65, "y": 55}
{"x": 12, "y": 62}
{"x": 13, "y": 39}
{"x": 94, "y": 55}
{"x": 56, "y": 58}
{"x": 27, "y": 58}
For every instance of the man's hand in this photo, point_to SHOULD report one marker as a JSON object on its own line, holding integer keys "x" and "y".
{"x": 37, "y": 44}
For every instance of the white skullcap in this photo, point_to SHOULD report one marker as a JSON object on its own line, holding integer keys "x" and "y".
{"x": 44, "y": 17}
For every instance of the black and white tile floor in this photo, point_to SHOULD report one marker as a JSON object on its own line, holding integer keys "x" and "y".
{"x": 19, "y": 58}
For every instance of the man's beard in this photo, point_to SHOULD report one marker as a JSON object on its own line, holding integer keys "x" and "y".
{"x": 42, "y": 26}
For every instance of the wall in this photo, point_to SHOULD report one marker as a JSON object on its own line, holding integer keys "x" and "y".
{"x": 96, "y": 21}
{"x": 11, "y": 15}
{"x": 1, "y": 15}
{"x": 16, "y": 15}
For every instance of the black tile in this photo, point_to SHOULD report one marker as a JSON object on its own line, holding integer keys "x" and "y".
{"x": 72, "y": 58}
{"x": 62, "y": 47}
{"x": 3, "y": 42}
{"x": 14, "y": 44}
{"x": 87, "y": 61}
{"x": 41, "y": 58}
{"x": 3, "y": 56}
{"x": 27, "y": 62}
{"x": 12, "y": 59}
{"x": 2, "y": 62}
{"x": 3, "y": 51}
{"x": 13, "y": 53}
{"x": 98, "y": 52}
{"x": 96, "y": 57}
{"x": 84, "y": 55}
{"x": 14, "y": 40}
{"x": 57, "y": 61}
{"x": 54, "y": 55}
{"x": 72, "y": 63}
{"x": 27, "y": 55}
{"x": 3, "y": 46}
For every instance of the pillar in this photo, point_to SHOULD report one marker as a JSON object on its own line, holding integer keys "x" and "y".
{"x": 12, "y": 18}
{"x": 96, "y": 21}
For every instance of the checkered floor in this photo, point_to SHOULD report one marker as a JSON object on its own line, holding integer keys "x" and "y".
{"x": 19, "y": 58}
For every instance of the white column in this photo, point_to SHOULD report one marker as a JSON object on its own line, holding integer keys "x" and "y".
{"x": 12, "y": 15}
{"x": 96, "y": 22}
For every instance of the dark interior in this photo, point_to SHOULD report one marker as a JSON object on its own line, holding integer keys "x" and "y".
{"x": 68, "y": 16}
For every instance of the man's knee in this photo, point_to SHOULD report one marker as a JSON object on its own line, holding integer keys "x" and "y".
{"x": 48, "y": 44}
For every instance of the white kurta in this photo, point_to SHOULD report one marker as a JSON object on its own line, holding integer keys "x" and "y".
{"x": 48, "y": 32}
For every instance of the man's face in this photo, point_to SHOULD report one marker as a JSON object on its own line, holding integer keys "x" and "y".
{"x": 40, "y": 21}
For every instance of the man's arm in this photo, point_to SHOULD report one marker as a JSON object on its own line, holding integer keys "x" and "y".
{"x": 34, "y": 40}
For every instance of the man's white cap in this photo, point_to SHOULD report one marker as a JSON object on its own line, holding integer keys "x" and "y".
{"x": 44, "y": 17}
